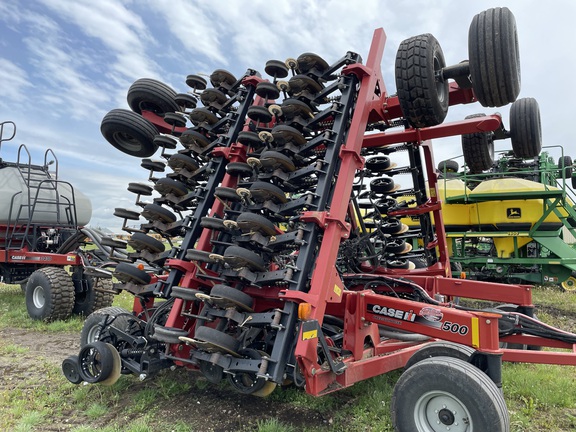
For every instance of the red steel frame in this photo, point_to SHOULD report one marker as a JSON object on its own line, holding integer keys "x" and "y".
{"x": 363, "y": 309}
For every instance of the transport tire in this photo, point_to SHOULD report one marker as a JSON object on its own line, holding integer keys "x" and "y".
{"x": 87, "y": 294}
{"x": 129, "y": 132}
{"x": 422, "y": 95}
{"x": 438, "y": 349}
{"x": 445, "y": 393}
{"x": 478, "y": 149}
{"x": 96, "y": 325}
{"x": 494, "y": 57}
{"x": 50, "y": 294}
{"x": 147, "y": 94}
{"x": 525, "y": 128}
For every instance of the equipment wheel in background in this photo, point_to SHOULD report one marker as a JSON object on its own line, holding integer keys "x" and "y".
{"x": 478, "y": 149}
{"x": 422, "y": 92}
{"x": 97, "y": 325}
{"x": 129, "y": 132}
{"x": 90, "y": 293}
{"x": 525, "y": 128}
{"x": 49, "y": 294}
{"x": 441, "y": 394}
{"x": 448, "y": 166}
{"x": 569, "y": 284}
{"x": 494, "y": 57}
{"x": 147, "y": 94}
{"x": 565, "y": 167}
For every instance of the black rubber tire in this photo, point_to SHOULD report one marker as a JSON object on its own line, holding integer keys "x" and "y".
{"x": 217, "y": 338}
{"x": 184, "y": 293}
{"x": 127, "y": 272}
{"x": 565, "y": 167}
{"x": 141, "y": 241}
{"x": 96, "y": 362}
{"x": 87, "y": 297}
{"x": 382, "y": 185}
{"x": 203, "y": 115}
{"x": 262, "y": 191}
{"x": 392, "y": 226}
{"x": 140, "y": 189}
{"x": 179, "y": 161}
{"x": 385, "y": 205}
{"x": 267, "y": 90}
{"x": 423, "y": 97}
{"x": 227, "y": 194}
{"x": 71, "y": 369}
{"x": 398, "y": 264}
{"x": 494, "y": 57}
{"x": 186, "y": 101}
{"x": 276, "y": 69}
{"x": 233, "y": 295}
{"x": 293, "y": 107}
{"x": 240, "y": 169}
{"x": 153, "y": 165}
{"x": 247, "y": 382}
{"x": 175, "y": 119}
{"x": 126, "y": 214}
{"x": 250, "y": 139}
{"x": 395, "y": 246}
{"x": 300, "y": 83}
{"x": 378, "y": 163}
{"x": 49, "y": 294}
{"x": 448, "y": 166}
{"x": 287, "y": 134}
{"x": 190, "y": 136}
{"x": 147, "y": 94}
{"x": 213, "y": 223}
{"x": 168, "y": 335}
{"x": 213, "y": 96}
{"x": 525, "y": 128}
{"x": 462, "y": 388}
{"x": 259, "y": 114}
{"x": 272, "y": 160}
{"x": 129, "y": 132}
{"x": 437, "y": 349}
{"x": 196, "y": 82}
{"x": 478, "y": 149}
{"x": 199, "y": 255}
{"x": 166, "y": 142}
{"x": 96, "y": 325}
{"x": 155, "y": 212}
{"x": 237, "y": 257}
{"x": 311, "y": 63}
{"x": 222, "y": 77}
{"x": 248, "y": 222}
{"x": 166, "y": 185}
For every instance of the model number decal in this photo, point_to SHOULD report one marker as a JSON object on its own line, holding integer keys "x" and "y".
{"x": 453, "y": 327}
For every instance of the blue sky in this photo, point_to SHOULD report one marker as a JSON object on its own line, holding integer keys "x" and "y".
{"x": 65, "y": 63}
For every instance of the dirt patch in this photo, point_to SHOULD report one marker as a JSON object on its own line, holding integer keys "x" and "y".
{"x": 206, "y": 407}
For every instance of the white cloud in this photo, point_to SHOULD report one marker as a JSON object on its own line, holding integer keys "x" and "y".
{"x": 14, "y": 81}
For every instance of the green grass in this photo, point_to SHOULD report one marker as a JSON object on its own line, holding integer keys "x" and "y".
{"x": 539, "y": 397}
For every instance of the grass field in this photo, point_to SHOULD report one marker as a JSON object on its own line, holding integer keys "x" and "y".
{"x": 34, "y": 396}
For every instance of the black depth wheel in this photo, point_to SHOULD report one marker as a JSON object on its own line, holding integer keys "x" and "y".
{"x": 165, "y": 186}
{"x": 126, "y": 272}
{"x": 247, "y": 382}
{"x": 262, "y": 191}
{"x": 423, "y": 96}
{"x": 96, "y": 361}
{"x": 494, "y": 57}
{"x": 444, "y": 393}
{"x": 248, "y": 222}
{"x": 525, "y": 128}
{"x": 71, "y": 369}
{"x": 141, "y": 241}
{"x": 272, "y": 160}
{"x": 238, "y": 257}
{"x": 225, "y": 296}
{"x": 478, "y": 149}
{"x": 213, "y": 340}
{"x": 129, "y": 132}
{"x": 155, "y": 212}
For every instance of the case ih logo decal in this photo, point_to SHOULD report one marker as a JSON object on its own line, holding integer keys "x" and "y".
{"x": 431, "y": 314}
{"x": 392, "y": 313}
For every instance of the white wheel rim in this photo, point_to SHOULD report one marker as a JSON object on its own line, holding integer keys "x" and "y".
{"x": 439, "y": 411}
{"x": 38, "y": 297}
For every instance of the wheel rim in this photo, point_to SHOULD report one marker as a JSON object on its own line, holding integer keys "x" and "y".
{"x": 38, "y": 297}
{"x": 440, "y": 83}
{"x": 569, "y": 284}
{"x": 93, "y": 334}
{"x": 439, "y": 411}
{"x": 127, "y": 142}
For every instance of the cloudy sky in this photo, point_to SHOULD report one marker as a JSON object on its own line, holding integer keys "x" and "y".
{"x": 65, "y": 63}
